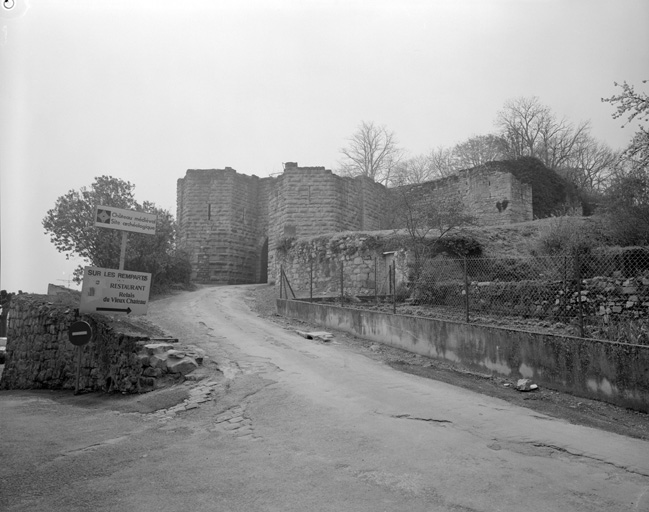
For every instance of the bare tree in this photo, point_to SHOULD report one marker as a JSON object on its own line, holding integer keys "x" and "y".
{"x": 531, "y": 129}
{"x": 479, "y": 150}
{"x": 426, "y": 220}
{"x": 417, "y": 169}
{"x": 591, "y": 165}
{"x": 373, "y": 151}
{"x": 443, "y": 162}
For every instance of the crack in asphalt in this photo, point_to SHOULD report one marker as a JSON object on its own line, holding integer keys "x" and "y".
{"x": 408, "y": 417}
{"x": 584, "y": 456}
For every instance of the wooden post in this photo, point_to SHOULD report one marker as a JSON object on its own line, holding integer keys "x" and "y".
{"x": 281, "y": 281}
{"x": 122, "y": 256}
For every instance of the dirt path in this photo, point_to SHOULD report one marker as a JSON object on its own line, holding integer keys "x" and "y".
{"x": 287, "y": 424}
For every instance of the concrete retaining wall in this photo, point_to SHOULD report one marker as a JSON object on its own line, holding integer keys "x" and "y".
{"x": 611, "y": 372}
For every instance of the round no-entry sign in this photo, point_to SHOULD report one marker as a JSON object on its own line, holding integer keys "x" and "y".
{"x": 80, "y": 333}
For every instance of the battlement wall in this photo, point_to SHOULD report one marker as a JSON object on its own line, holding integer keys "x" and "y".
{"x": 223, "y": 223}
{"x": 231, "y": 224}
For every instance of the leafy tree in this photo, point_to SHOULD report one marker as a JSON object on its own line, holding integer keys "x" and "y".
{"x": 373, "y": 151}
{"x": 627, "y": 198}
{"x": 635, "y": 106}
{"x": 626, "y": 207}
{"x": 70, "y": 225}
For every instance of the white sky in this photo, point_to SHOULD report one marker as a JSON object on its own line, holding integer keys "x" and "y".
{"x": 144, "y": 90}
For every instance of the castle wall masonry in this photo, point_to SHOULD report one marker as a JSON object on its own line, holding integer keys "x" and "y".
{"x": 231, "y": 223}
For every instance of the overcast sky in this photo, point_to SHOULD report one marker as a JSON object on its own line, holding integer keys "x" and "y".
{"x": 144, "y": 90}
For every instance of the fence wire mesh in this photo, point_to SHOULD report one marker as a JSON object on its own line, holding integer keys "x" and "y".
{"x": 602, "y": 294}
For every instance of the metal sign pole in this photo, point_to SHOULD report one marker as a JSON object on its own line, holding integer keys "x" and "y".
{"x": 79, "y": 333}
{"x": 76, "y": 385}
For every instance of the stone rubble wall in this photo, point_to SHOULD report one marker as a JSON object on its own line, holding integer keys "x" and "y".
{"x": 600, "y": 296}
{"x": 120, "y": 358}
{"x": 363, "y": 258}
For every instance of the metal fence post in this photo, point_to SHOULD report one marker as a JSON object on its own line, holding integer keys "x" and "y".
{"x": 311, "y": 282}
{"x": 581, "y": 309}
{"x": 394, "y": 286}
{"x": 376, "y": 281}
{"x": 342, "y": 278}
{"x": 281, "y": 281}
{"x": 466, "y": 290}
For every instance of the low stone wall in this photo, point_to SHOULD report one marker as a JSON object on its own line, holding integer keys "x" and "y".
{"x": 605, "y": 297}
{"x": 120, "y": 358}
{"x": 607, "y": 371}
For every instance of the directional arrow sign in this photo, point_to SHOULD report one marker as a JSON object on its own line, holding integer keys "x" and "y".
{"x": 112, "y": 291}
{"x": 116, "y": 310}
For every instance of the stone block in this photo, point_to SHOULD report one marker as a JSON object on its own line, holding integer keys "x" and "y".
{"x": 157, "y": 348}
{"x": 181, "y": 366}
{"x": 152, "y": 372}
{"x": 158, "y": 360}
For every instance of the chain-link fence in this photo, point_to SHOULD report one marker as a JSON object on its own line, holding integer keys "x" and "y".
{"x": 602, "y": 294}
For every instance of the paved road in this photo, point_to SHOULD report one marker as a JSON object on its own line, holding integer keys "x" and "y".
{"x": 301, "y": 425}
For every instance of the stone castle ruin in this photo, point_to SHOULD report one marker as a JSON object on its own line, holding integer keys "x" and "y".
{"x": 231, "y": 224}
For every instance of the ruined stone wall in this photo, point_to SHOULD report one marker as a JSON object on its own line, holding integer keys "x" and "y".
{"x": 120, "y": 358}
{"x": 315, "y": 265}
{"x": 492, "y": 197}
{"x": 223, "y": 223}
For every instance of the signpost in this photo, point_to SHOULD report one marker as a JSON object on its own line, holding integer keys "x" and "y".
{"x": 107, "y": 290}
{"x": 125, "y": 220}
{"x": 79, "y": 333}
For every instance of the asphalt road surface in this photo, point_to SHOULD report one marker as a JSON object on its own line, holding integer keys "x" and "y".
{"x": 290, "y": 424}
